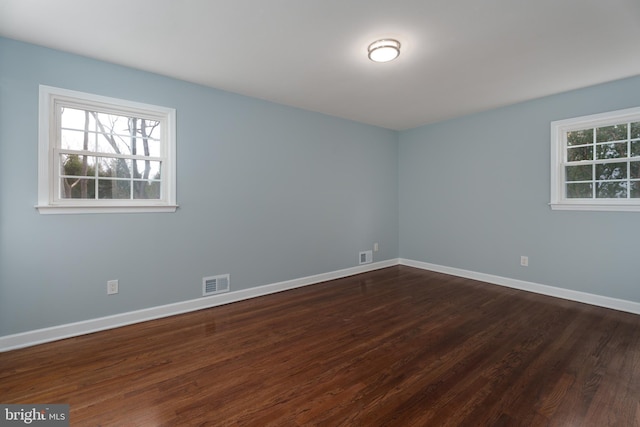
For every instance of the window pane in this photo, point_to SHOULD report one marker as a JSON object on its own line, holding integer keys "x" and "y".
{"x": 580, "y": 137}
{"x": 153, "y": 129}
{"x": 611, "y": 171}
{"x": 112, "y": 123}
{"x": 142, "y": 128}
{"x": 634, "y": 170}
{"x": 611, "y": 151}
{"x": 77, "y": 188}
{"x": 114, "y": 189}
{"x": 611, "y": 190}
{"x": 635, "y": 149}
{"x": 146, "y": 128}
{"x": 611, "y": 133}
{"x": 75, "y": 140}
{"x": 77, "y": 165}
{"x": 579, "y": 173}
{"x": 635, "y": 130}
{"x": 112, "y": 144}
{"x": 146, "y": 189}
{"x": 72, "y": 118}
{"x": 114, "y": 167}
{"x": 580, "y": 191}
{"x": 146, "y": 169}
{"x": 634, "y": 190}
{"x": 580, "y": 153}
{"x": 146, "y": 147}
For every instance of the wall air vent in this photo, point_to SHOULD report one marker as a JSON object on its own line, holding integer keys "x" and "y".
{"x": 365, "y": 257}
{"x": 215, "y": 284}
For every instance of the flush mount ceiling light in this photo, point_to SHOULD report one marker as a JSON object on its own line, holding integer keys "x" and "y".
{"x": 384, "y": 50}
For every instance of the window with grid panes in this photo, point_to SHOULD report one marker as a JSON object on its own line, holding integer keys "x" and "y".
{"x": 101, "y": 154}
{"x": 595, "y": 162}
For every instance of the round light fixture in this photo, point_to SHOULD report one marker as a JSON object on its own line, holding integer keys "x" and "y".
{"x": 384, "y": 50}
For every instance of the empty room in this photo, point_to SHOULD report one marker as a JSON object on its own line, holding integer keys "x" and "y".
{"x": 357, "y": 213}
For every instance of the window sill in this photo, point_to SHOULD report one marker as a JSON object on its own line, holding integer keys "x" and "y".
{"x": 594, "y": 207}
{"x": 61, "y": 209}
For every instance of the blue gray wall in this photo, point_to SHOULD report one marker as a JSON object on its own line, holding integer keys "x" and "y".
{"x": 270, "y": 193}
{"x": 267, "y": 193}
{"x": 474, "y": 195}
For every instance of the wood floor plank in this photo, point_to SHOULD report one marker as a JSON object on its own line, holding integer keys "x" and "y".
{"x": 395, "y": 347}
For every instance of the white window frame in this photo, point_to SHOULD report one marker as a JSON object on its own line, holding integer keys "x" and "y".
{"x": 559, "y": 130}
{"x": 49, "y": 200}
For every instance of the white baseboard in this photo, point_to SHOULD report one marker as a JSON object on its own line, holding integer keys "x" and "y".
{"x": 39, "y": 336}
{"x": 599, "y": 300}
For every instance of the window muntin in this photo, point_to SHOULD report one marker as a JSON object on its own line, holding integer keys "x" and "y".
{"x": 596, "y": 162}
{"x": 104, "y": 155}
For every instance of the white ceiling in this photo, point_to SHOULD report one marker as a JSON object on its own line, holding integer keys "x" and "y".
{"x": 458, "y": 56}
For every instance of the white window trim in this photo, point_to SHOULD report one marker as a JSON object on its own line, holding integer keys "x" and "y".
{"x": 559, "y": 131}
{"x": 48, "y": 203}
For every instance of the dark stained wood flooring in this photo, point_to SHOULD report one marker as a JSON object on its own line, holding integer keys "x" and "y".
{"x": 395, "y": 347}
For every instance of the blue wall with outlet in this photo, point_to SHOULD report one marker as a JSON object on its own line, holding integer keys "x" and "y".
{"x": 269, "y": 193}
{"x": 474, "y": 195}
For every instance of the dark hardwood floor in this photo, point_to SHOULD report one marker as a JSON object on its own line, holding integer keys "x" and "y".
{"x": 394, "y": 347}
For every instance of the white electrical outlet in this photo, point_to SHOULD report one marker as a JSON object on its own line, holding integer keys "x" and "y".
{"x": 112, "y": 287}
{"x": 375, "y": 247}
{"x": 524, "y": 261}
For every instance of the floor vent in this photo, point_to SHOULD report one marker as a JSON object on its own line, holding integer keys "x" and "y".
{"x": 215, "y": 284}
{"x": 365, "y": 257}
